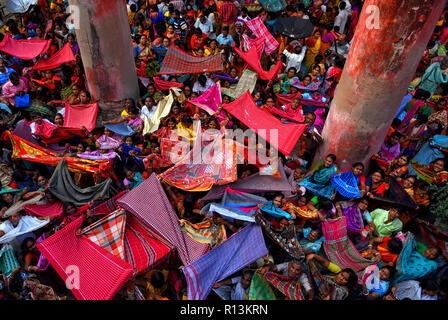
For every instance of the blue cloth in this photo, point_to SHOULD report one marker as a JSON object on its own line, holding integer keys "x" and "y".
{"x": 346, "y": 184}
{"x": 240, "y": 250}
{"x": 426, "y": 155}
{"x": 411, "y": 265}
{"x": 275, "y": 212}
{"x": 120, "y": 128}
{"x": 309, "y": 245}
{"x": 5, "y": 107}
{"x": 4, "y": 77}
{"x": 403, "y": 104}
{"x": 319, "y": 182}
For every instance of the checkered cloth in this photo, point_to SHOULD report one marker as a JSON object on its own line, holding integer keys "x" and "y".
{"x": 108, "y": 232}
{"x": 339, "y": 249}
{"x": 259, "y": 29}
{"x": 290, "y": 287}
{"x": 249, "y": 42}
{"x": 177, "y": 61}
{"x": 143, "y": 247}
{"x": 240, "y": 250}
{"x": 157, "y": 213}
{"x": 247, "y": 81}
{"x": 101, "y": 274}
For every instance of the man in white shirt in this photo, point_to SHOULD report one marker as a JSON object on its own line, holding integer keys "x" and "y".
{"x": 149, "y": 108}
{"x": 202, "y": 84}
{"x": 342, "y": 17}
{"x": 204, "y": 24}
{"x": 295, "y": 59}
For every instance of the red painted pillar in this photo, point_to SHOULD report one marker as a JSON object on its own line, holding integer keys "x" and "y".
{"x": 104, "y": 39}
{"x": 390, "y": 39}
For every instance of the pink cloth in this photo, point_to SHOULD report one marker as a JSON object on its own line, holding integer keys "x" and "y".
{"x": 24, "y": 49}
{"x": 210, "y": 100}
{"x": 9, "y": 90}
{"x": 166, "y": 85}
{"x": 259, "y": 29}
{"x": 100, "y": 274}
{"x": 65, "y": 54}
{"x": 265, "y": 124}
{"x": 253, "y": 60}
{"x": 289, "y": 113}
{"x": 46, "y": 210}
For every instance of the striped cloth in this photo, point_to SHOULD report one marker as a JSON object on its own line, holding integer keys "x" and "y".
{"x": 339, "y": 249}
{"x": 177, "y": 61}
{"x": 108, "y": 232}
{"x": 346, "y": 184}
{"x": 143, "y": 247}
{"x": 259, "y": 29}
{"x": 157, "y": 213}
{"x": 8, "y": 260}
{"x": 247, "y": 81}
{"x": 240, "y": 250}
{"x": 290, "y": 287}
{"x": 74, "y": 258}
{"x": 228, "y": 12}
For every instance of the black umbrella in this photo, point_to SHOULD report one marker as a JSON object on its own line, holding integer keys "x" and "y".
{"x": 294, "y": 27}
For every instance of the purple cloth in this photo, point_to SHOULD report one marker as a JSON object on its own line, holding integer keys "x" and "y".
{"x": 391, "y": 153}
{"x": 240, "y": 250}
{"x": 110, "y": 143}
{"x": 354, "y": 218}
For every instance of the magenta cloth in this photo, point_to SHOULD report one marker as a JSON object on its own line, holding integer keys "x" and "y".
{"x": 283, "y": 99}
{"x": 289, "y": 113}
{"x": 210, "y": 100}
{"x": 24, "y": 49}
{"x": 157, "y": 213}
{"x": 100, "y": 273}
{"x": 163, "y": 85}
{"x": 411, "y": 113}
{"x": 320, "y": 119}
{"x": 46, "y": 210}
{"x": 253, "y": 60}
{"x": 249, "y": 42}
{"x": 259, "y": 29}
{"x": 65, "y": 54}
{"x": 391, "y": 153}
{"x": 263, "y": 123}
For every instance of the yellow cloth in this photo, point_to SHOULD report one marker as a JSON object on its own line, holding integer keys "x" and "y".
{"x": 334, "y": 268}
{"x": 124, "y": 113}
{"x": 162, "y": 110}
{"x": 150, "y": 288}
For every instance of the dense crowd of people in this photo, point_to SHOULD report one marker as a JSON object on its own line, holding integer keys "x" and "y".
{"x": 366, "y": 233}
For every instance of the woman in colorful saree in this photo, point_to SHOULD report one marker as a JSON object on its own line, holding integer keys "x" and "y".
{"x": 376, "y": 184}
{"x": 413, "y": 133}
{"x": 331, "y": 287}
{"x": 313, "y": 45}
{"x": 292, "y": 111}
{"x": 355, "y": 212}
{"x": 398, "y": 168}
{"x": 142, "y": 50}
{"x": 318, "y": 181}
{"x": 412, "y": 265}
{"x": 350, "y": 183}
{"x": 286, "y": 81}
{"x": 432, "y": 173}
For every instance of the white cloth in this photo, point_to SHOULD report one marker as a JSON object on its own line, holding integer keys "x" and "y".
{"x": 147, "y": 112}
{"x": 343, "y": 50}
{"x": 293, "y": 59}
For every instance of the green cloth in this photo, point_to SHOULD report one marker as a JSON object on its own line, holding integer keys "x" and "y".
{"x": 62, "y": 186}
{"x": 260, "y": 289}
{"x": 380, "y": 216}
{"x": 8, "y": 260}
{"x": 424, "y": 109}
